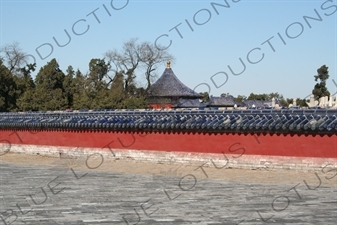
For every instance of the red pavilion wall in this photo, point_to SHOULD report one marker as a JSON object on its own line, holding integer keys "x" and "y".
{"x": 160, "y": 106}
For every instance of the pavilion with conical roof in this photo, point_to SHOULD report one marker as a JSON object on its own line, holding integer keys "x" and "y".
{"x": 168, "y": 90}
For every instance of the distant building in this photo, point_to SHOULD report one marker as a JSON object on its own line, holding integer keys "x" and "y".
{"x": 260, "y": 104}
{"x": 168, "y": 92}
{"x": 190, "y": 103}
{"x": 224, "y": 101}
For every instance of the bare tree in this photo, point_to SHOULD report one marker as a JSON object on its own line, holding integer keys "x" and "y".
{"x": 126, "y": 61}
{"x": 14, "y": 57}
{"x": 137, "y": 56}
{"x": 151, "y": 56}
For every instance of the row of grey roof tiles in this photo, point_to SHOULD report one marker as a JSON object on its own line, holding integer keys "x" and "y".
{"x": 258, "y": 121}
{"x": 176, "y": 111}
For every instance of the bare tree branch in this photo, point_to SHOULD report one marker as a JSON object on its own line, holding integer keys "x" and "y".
{"x": 134, "y": 56}
{"x": 14, "y": 57}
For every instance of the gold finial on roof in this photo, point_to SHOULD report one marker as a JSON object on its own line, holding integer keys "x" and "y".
{"x": 168, "y": 64}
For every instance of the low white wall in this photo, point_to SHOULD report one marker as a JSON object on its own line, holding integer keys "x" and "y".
{"x": 205, "y": 159}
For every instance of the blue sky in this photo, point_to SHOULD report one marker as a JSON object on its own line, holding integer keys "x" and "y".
{"x": 293, "y": 46}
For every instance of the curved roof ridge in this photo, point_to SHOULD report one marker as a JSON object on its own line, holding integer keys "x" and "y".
{"x": 168, "y": 85}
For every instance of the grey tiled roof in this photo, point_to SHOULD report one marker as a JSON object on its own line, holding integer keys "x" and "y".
{"x": 222, "y": 101}
{"x": 169, "y": 85}
{"x": 190, "y": 103}
{"x": 273, "y": 121}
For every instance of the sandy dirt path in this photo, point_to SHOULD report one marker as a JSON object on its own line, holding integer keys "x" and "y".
{"x": 327, "y": 175}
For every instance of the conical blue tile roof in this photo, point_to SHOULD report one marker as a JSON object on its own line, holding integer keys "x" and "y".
{"x": 168, "y": 85}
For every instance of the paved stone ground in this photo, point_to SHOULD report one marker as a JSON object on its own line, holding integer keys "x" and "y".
{"x": 64, "y": 191}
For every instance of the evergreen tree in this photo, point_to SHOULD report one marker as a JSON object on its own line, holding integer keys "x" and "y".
{"x": 7, "y": 89}
{"x": 96, "y": 87}
{"x": 204, "y": 96}
{"x": 117, "y": 93}
{"x": 49, "y": 92}
{"x": 320, "y": 89}
{"x": 135, "y": 103}
{"x": 69, "y": 87}
{"x": 240, "y": 98}
{"x": 98, "y": 69}
{"x": 26, "y": 88}
{"x": 79, "y": 97}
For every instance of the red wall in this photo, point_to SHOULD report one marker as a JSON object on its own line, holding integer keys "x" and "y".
{"x": 322, "y": 146}
{"x": 160, "y": 106}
